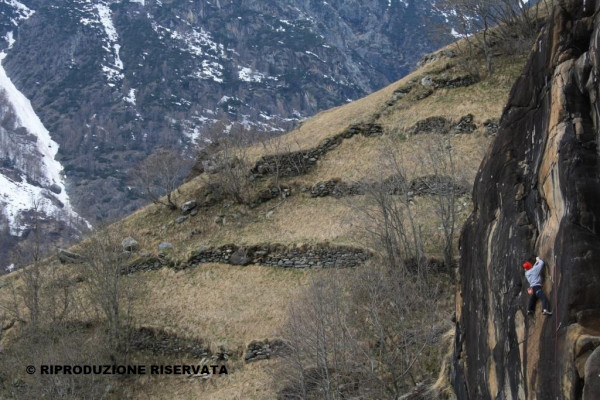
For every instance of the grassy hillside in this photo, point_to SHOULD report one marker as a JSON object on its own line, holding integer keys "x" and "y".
{"x": 225, "y": 307}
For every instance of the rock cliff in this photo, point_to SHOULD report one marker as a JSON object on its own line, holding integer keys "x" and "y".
{"x": 537, "y": 193}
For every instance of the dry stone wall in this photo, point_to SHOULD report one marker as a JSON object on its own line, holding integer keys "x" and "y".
{"x": 423, "y": 185}
{"x": 441, "y": 125}
{"x": 298, "y": 256}
{"x": 300, "y": 162}
{"x": 159, "y": 341}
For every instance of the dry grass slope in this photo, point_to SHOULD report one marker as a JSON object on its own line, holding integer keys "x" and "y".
{"x": 230, "y": 306}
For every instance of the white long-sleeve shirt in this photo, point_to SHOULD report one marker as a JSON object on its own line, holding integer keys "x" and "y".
{"x": 534, "y": 274}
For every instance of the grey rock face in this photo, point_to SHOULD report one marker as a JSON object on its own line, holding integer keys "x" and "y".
{"x": 591, "y": 390}
{"x": 537, "y": 193}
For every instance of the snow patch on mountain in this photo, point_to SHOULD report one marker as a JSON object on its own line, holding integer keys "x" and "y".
{"x": 10, "y": 39}
{"x": 210, "y": 70}
{"x": 130, "y": 98}
{"x": 200, "y": 44}
{"x": 113, "y": 71}
{"x": 248, "y": 75}
{"x": 46, "y": 189}
{"x": 22, "y": 11}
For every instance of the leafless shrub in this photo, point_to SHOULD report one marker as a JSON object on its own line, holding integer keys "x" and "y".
{"x": 389, "y": 216}
{"x": 368, "y": 336}
{"x": 62, "y": 344}
{"x": 483, "y": 24}
{"x": 42, "y": 296}
{"x": 103, "y": 263}
{"x": 159, "y": 175}
{"x": 40, "y": 319}
{"x": 284, "y": 159}
{"x": 229, "y": 159}
{"x": 445, "y": 179}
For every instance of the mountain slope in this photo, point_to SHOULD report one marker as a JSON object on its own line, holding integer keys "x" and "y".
{"x": 112, "y": 80}
{"x": 32, "y": 187}
{"x": 193, "y": 291}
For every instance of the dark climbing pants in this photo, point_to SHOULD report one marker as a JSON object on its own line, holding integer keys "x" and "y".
{"x": 537, "y": 294}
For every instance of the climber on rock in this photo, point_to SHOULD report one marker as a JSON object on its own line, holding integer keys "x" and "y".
{"x": 533, "y": 275}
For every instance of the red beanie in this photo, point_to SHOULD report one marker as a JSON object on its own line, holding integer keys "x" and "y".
{"x": 527, "y": 265}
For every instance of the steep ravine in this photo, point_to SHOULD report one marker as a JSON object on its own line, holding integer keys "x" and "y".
{"x": 538, "y": 193}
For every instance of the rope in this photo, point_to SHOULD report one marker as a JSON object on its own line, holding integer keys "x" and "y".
{"x": 555, "y": 294}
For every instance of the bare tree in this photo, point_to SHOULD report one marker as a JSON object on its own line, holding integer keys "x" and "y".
{"x": 319, "y": 341}
{"x": 230, "y": 160}
{"x": 29, "y": 256}
{"x": 273, "y": 146}
{"x": 44, "y": 324}
{"x": 160, "y": 174}
{"x": 103, "y": 262}
{"x": 361, "y": 336}
{"x": 445, "y": 189}
{"x": 483, "y": 23}
{"x": 283, "y": 159}
{"x": 389, "y": 214}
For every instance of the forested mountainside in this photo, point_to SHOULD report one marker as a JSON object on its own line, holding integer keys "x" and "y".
{"x": 537, "y": 194}
{"x": 113, "y": 80}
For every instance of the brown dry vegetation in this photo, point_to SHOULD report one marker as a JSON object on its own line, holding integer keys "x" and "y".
{"x": 225, "y": 305}
{"x": 356, "y": 159}
{"x": 230, "y": 306}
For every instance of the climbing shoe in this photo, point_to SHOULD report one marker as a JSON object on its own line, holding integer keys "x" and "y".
{"x": 546, "y": 312}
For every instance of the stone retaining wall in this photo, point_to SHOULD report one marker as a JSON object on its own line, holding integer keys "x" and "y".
{"x": 300, "y": 162}
{"x": 301, "y": 256}
{"x": 159, "y": 341}
{"x": 441, "y": 125}
{"x": 265, "y": 349}
{"x": 424, "y": 185}
{"x": 336, "y": 188}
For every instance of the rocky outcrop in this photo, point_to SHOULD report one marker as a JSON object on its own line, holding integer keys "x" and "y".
{"x": 434, "y": 124}
{"x": 491, "y": 127}
{"x": 537, "y": 193}
{"x": 273, "y": 192}
{"x": 68, "y": 257}
{"x": 429, "y": 58}
{"x": 130, "y": 244}
{"x": 436, "y": 185}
